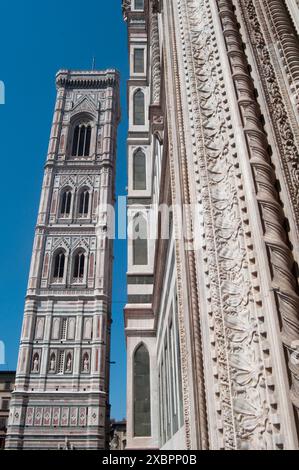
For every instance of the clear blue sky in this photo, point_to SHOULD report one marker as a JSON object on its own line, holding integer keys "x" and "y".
{"x": 38, "y": 38}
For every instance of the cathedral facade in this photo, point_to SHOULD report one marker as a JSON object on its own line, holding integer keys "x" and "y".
{"x": 212, "y": 319}
{"x": 61, "y": 397}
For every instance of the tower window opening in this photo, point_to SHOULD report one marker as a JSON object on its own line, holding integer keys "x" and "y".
{"x": 79, "y": 264}
{"x": 66, "y": 202}
{"x": 84, "y": 203}
{"x": 81, "y": 140}
{"x": 59, "y": 263}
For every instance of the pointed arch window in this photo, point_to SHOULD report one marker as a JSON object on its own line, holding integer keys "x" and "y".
{"x": 84, "y": 203}
{"x": 59, "y": 264}
{"x": 81, "y": 140}
{"x": 139, "y": 170}
{"x": 142, "y": 392}
{"x": 79, "y": 265}
{"x": 140, "y": 244}
{"x": 66, "y": 203}
{"x": 139, "y": 108}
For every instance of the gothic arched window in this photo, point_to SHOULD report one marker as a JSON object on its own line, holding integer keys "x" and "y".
{"x": 139, "y": 108}
{"x": 84, "y": 203}
{"x": 79, "y": 264}
{"x": 81, "y": 140}
{"x": 139, "y": 170}
{"x": 140, "y": 256}
{"x": 59, "y": 264}
{"x": 66, "y": 203}
{"x": 142, "y": 392}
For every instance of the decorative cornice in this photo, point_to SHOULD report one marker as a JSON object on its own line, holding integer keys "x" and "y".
{"x": 156, "y": 6}
{"x": 90, "y": 79}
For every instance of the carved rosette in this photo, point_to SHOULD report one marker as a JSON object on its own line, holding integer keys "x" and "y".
{"x": 239, "y": 352}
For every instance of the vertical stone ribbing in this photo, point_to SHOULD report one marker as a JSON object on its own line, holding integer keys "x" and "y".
{"x": 197, "y": 355}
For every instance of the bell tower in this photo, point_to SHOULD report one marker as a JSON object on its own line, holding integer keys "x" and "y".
{"x": 62, "y": 385}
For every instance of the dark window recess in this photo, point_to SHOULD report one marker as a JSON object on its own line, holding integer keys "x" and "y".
{"x": 139, "y": 111}
{"x": 5, "y": 404}
{"x": 59, "y": 263}
{"x": 142, "y": 402}
{"x": 139, "y": 171}
{"x": 84, "y": 203}
{"x": 79, "y": 265}
{"x": 81, "y": 141}
{"x": 66, "y": 202}
{"x": 3, "y": 423}
{"x": 138, "y": 60}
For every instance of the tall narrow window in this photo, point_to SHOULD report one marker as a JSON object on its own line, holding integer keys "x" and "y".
{"x": 59, "y": 262}
{"x": 61, "y": 362}
{"x": 139, "y": 4}
{"x": 139, "y": 111}
{"x": 139, "y": 170}
{"x": 79, "y": 263}
{"x": 138, "y": 60}
{"x": 81, "y": 140}
{"x": 140, "y": 256}
{"x": 142, "y": 393}
{"x": 84, "y": 203}
{"x": 66, "y": 203}
{"x": 63, "y": 329}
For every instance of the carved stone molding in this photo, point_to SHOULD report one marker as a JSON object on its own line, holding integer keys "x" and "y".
{"x": 157, "y": 6}
{"x": 155, "y": 59}
{"x": 156, "y": 116}
{"x": 275, "y": 236}
{"x": 240, "y": 354}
